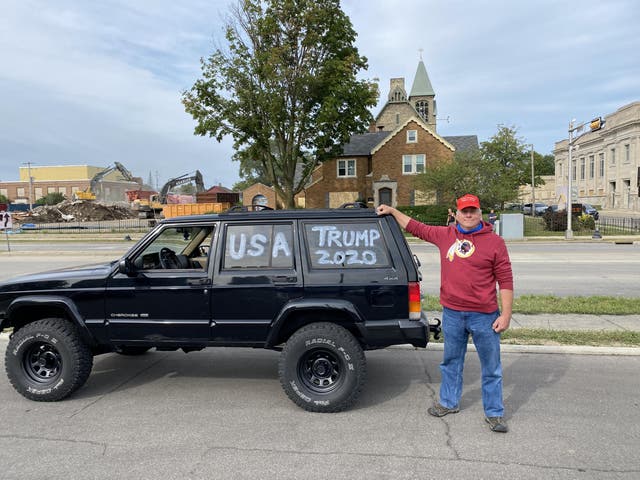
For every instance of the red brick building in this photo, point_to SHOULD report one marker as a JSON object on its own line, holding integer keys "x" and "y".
{"x": 381, "y": 166}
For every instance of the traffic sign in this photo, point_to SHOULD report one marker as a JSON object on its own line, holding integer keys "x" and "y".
{"x": 6, "y": 222}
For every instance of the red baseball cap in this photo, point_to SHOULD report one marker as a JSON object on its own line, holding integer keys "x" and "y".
{"x": 467, "y": 201}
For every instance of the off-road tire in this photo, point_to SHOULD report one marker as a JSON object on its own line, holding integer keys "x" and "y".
{"x": 47, "y": 360}
{"x": 322, "y": 368}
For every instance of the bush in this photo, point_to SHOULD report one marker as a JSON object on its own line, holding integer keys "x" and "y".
{"x": 585, "y": 222}
{"x": 555, "y": 221}
{"x": 428, "y": 214}
{"x": 51, "y": 199}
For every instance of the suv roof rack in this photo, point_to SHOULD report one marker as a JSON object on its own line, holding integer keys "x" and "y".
{"x": 248, "y": 208}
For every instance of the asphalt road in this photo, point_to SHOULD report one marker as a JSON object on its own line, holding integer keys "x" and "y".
{"x": 221, "y": 414}
{"x": 550, "y": 268}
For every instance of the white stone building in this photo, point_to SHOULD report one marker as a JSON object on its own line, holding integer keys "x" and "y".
{"x": 605, "y": 164}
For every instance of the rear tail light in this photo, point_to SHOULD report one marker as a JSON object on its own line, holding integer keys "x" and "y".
{"x": 415, "y": 308}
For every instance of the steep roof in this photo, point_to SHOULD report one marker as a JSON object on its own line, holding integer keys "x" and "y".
{"x": 463, "y": 142}
{"x": 363, "y": 144}
{"x": 422, "y": 124}
{"x": 421, "y": 85}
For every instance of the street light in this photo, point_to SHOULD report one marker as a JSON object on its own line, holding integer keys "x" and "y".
{"x": 595, "y": 125}
{"x": 533, "y": 188}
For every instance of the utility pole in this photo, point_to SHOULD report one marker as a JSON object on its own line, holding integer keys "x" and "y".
{"x": 28, "y": 164}
{"x": 533, "y": 188}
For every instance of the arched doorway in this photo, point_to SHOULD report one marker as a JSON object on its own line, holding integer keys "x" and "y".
{"x": 259, "y": 200}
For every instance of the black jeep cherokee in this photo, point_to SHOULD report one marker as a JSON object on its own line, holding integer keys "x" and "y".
{"x": 322, "y": 286}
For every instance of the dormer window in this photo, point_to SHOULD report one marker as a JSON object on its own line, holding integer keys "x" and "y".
{"x": 412, "y": 136}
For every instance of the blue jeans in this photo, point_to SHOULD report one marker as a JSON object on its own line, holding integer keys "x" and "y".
{"x": 456, "y": 327}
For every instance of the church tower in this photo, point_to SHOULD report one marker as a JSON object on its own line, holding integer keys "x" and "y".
{"x": 400, "y": 107}
{"x": 422, "y": 96}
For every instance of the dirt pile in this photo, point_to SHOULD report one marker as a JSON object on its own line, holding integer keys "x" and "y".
{"x": 77, "y": 211}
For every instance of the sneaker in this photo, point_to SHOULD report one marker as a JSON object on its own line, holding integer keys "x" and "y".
{"x": 439, "y": 411}
{"x": 497, "y": 424}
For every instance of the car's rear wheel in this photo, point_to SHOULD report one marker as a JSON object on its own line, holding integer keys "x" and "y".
{"x": 322, "y": 368}
{"x": 47, "y": 360}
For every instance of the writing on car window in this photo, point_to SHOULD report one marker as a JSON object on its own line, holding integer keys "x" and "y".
{"x": 351, "y": 245}
{"x": 259, "y": 246}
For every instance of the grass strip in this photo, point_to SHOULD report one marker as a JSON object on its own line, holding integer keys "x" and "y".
{"x": 540, "y": 336}
{"x": 531, "y": 304}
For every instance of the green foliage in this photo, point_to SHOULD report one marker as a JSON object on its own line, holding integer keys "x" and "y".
{"x": 493, "y": 173}
{"x": 585, "y": 222}
{"x": 543, "y": 165}
{"x": 285, "y": 88}
{"x": 3, "y": 199}
{"x": 51, "y": 199}
{"x": 428, "y": 214}
{"x": 555, "y": 221}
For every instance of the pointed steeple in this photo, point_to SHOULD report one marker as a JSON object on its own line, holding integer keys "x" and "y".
{"x": 421, "y": 85}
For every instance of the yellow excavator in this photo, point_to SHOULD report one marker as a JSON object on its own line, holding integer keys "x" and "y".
{"x": 90, "y": 193}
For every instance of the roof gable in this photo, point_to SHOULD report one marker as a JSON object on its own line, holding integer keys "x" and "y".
{"x": 420, "y": 123}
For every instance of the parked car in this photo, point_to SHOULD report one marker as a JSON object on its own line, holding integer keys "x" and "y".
{"x": 540, "y": 208}
{"x": 553, "y": 208}
{"x": 589, "y": 210}
{"x": 319, "y": 286}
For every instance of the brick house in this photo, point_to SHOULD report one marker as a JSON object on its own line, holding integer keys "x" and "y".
{"x": 381, "y": 166}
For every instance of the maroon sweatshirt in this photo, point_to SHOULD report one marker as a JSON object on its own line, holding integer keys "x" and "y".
{"x": 470, "y": 265}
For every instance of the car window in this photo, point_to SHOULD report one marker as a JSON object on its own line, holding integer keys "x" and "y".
{"x": 258, "y": 246}
{"x": 346, "y": 245}
{"x": 177, "y": 248}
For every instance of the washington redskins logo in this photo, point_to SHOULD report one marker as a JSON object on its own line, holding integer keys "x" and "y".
{"x": 461, "y": 248}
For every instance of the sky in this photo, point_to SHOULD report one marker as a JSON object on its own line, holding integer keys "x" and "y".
{"x": 90, "y": 83}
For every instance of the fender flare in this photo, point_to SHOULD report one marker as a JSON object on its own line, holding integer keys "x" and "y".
{"x": 313, "y": 304}
{"x": 43, "y": 300}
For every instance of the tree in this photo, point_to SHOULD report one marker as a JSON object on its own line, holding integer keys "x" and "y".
{"x": 3, "y": 199}
{"x": 493, "y": 173}
{"x": 53, "y": 198}
{"x": 287, "y": 79}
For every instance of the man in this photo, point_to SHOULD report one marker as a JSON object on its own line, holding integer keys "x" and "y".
{"x": 472, "y": 260}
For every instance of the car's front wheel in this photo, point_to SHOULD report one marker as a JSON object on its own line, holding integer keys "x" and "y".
{"x": 47, "y": 360}
{"x": 322, "y": 368}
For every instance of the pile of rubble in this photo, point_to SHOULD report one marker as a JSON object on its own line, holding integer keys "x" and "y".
{"x": 77, "y": 211}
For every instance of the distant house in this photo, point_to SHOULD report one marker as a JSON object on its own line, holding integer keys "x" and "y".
{"x": 218, "y": 194}
{"x": 380, "y": 166}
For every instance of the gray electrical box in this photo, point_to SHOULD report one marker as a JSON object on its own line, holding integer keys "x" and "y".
{"x": 511, "y": 226}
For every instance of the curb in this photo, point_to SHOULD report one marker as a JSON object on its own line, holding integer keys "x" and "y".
{"x": 507, "y": 348}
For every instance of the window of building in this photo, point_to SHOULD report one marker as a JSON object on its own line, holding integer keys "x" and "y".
{"x": 20, "y": 192}
{"x": 422, "y": 108}
{"x": 573, "y": 169}
{"x": 346, "y": 168}
{"x": 62, "y": 190}
{"x": 412, "y": 164}
{"x": 601, "y": 158}
{"x": 397, "y": 119}
{"x": 39, "y": 193}
{"x": 4, "y": 192}
{"x": 51, "y": 189}
{"x": 412, "y": 136}
{"x": 592, "y": 166}
{"x": 582, "y": 168}
{"x": 74, "y": 189}
{"x": 613, "y": 156}
{"x": 627, "y": 153}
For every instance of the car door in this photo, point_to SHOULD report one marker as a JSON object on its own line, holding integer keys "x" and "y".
{"x": 158, "y": 301}
{"x": 256, "y": 273}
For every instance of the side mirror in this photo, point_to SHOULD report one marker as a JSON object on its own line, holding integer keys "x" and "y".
{"x": 125, "y": 267}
